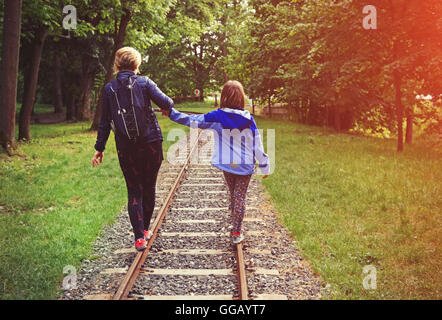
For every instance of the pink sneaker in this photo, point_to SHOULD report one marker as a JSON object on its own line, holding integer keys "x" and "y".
{"x": 141, "y": 244}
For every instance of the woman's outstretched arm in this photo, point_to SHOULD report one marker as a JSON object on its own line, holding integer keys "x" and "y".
{"x": 157, "y": 96}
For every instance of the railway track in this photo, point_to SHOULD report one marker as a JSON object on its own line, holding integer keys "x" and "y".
{"x": 191, "y": 242}
{"x": 191, "y": 256}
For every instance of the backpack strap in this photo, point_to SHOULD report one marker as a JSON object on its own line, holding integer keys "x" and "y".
{"x": 116, "y": 97}
{"x": 121, "y": 111}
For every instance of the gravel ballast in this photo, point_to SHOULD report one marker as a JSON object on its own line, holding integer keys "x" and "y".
{"x": 268, "y": 246}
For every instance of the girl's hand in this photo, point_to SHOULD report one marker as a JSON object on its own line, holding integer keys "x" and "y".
{"x": 97, "y": 159}
{"x": 165, "y": 112}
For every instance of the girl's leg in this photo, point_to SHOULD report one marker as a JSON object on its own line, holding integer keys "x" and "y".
{"x": 132, "y": 176}
{"x": 152, "y": 163}
{"x": 230, "y": 180}
{"x": 239, "y": 201}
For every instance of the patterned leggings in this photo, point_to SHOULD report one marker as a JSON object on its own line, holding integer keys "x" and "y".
{"x": 140, "y": 164}
{"x": 238, "y": 188}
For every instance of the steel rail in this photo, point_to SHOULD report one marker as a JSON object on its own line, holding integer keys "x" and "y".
{"x": 241, "y": 271}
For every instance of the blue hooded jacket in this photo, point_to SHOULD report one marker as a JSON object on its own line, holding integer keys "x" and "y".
{"x": 237, "y": 139}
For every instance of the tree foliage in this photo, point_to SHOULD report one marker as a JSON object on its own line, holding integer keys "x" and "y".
{"x": 315, "y": 56}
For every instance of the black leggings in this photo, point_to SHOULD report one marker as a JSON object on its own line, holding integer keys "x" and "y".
{"x": 140, "y": 164}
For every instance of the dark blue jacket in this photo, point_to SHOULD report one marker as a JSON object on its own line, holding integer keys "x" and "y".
{"x": 151, "y": 92}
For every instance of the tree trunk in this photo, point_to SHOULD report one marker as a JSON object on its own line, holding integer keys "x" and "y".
{"x": 337, "y": 118}
{"x": 84, "y": 106}
{"x": 397, "y": 87}
{"x": 9, "y": 72}
{"x": 58, "y": 91}
{"x": 201, "y": 97}
{"x": 300, "y": 110}
{"x": 337, "y": 114}
{"x": 308, "y": 104}
{"x": 399, "y": 111}
{"x": 409, "y": 130}
{"x": 87, "y": 83}
{"x": 270, "y": 107}
{"x": 223, "y": 42}
{"x": 30, "y": 86}
{"x": 70, "y": 108}
{"x": 327, "y": 115}
{"x": 118, "y": 43}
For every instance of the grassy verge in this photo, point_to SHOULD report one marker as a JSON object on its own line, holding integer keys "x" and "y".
{"x": 53, "y": 205}
{"x": 349, "y": 201}
{"x": 353, "y": 201}
{"x": 38, "y": 108}
{"x": 202, "y": 107}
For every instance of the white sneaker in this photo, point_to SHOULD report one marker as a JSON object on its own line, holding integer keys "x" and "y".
{"x": 238, "y": 239}
{"x": 147, "y": 235}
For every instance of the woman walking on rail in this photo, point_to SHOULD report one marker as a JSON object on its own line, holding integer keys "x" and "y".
{"x": 127, "y": 110}
{"x": 235, "y": 158}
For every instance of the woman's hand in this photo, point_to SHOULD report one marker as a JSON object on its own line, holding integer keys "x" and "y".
{"x": 97, "y": 159}
{"x": 165, "y": 112}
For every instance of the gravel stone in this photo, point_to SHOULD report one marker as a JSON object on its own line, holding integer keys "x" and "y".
{"x": 296, "y": 279}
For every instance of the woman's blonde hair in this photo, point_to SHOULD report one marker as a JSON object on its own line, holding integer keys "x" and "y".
{"x": 127, "y": 58}
{"x": 232, "y": 95}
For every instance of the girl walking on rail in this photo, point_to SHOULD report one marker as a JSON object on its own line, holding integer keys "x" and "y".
{"x": 235, "y": 158}
{"x": 128, "y": 111}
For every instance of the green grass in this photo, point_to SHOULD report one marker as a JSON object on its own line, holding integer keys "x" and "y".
{"x": 53, "y": 205}
{"x": 202, "y": 107}
{"x": 354, "y": 201}
{"x": 349, "y": 201}
{"x": 205, "y": 106}
{"x": 56, "y": 130}
{"x": 38, "y": 108}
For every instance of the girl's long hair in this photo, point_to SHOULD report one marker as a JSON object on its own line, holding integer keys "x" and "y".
{"x": 232, "y": 95}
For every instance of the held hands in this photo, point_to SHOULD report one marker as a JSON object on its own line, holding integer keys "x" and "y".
{"x": 97, "y": 159}
{"x": 165, "y": 112}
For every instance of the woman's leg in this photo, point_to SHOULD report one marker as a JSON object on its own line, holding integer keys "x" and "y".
{"x": 239, "y": 201}
{"x": 132, "y": 175}
{"x": 151, "y": 163}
